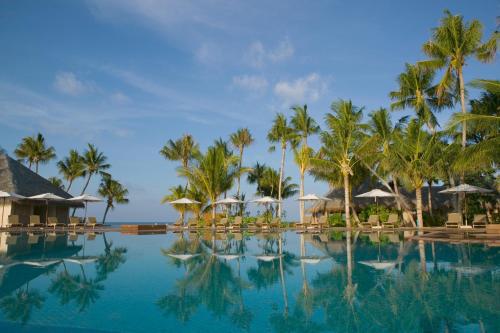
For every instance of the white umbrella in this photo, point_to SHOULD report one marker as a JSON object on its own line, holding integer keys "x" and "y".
{"x": 47, "y": 197}
{"x": 380, "y": 265}
{"x": 227, "y": 202}
{"x": 4, "y": 196}
{"x": 184, "y": 201}
{"x": 376, "y": 193}
{"x": 465, "y": 188}
{"x": 183, "y": 257}
{"x": 266, "y": 201}
{"x": 313, "y": 197}
{"x": 85, "y": 198}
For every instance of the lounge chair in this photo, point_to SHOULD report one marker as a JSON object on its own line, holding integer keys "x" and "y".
{"x": 178, "y": 224}
{"x": 222, "y": 224}
{"x": 454, "y": 220}
{"x": 236, "y": 225}
{"x": 391, "y": 222}
{"x": 92, "y": 222}
{"x": 74, "y": 222}
{"x": 193, "y": 223}
{"x": 276, "y": 223}
{"x": 262, "y": 224}
{"x": 13, "y": 221}
{"x": 305, "y": 223}
{"x": 323, "y": 222}
{"x": 479, "y": 221}
{"x": 12, "y": 238}
{"x": 35, "y": 221}
{"x": 53, "y": 222}
{"x": 51, "y": 237}
{"x": 73, "y": 236}
{"x": 33, "y": 238}
{"x": 373, "y": 221}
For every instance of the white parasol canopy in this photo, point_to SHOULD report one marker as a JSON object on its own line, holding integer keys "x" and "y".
{"x": 184, "y": 201}
{"x": 266, "y": 200}
{"x": 228, "y": 201}
{"x": 85, "y": 198}
{"x": 313, "y": 197}
{"x": 466, "y": 188}
{"x": 47, "y": 197}
{"x": 376, "y": 193}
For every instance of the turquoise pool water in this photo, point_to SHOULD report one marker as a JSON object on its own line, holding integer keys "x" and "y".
{"x": 333, "y": 282}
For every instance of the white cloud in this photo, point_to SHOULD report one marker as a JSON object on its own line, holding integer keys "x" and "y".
{"x": 251, "y": 82}
{"x": 301, "y": 90}
{"x": 257, "y": 55}
{"x": 67, "y": 83}
{"x": 119, "y": 98}
{"x": 207, "y": 53}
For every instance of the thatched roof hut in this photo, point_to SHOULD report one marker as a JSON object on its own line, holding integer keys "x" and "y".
{"x": 440, "y": 200}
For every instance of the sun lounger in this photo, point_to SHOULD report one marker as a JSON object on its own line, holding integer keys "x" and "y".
{"x": 373, "y": 221}
{"x": 222, "y": 224}
{"x": 92, "y": 222}
{"x": 12, "y": 238}
{"x": 479, "y": 221}
{"x": 73, "y": 236}
{"x": 262, "y": 224}
{"x": 33, "y": 238}
{"x": 193, "y": 223}
{"x": 178, "y": 224}
{"x": 13, "y": 221}
{"x": 323, "y": 222}
{"x": 236, "y": 225}
{"x": 305, "y": 223}
{"x": 35, "y": 221}
{"x": 74, "y": 222}
{"x": 454, "y": 220}
{"x": 276, "y": 223}
{"x": 53, "y": 222}
{"x": 51, "y": 237}
{"x": 391, "y": 222}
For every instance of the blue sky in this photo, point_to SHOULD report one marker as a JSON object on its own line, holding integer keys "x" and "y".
{"x": 127, "y": 75}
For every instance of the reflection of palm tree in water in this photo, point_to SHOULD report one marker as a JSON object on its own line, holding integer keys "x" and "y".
{"x": 19, "y": 307}
{"x": 110, "y": 260}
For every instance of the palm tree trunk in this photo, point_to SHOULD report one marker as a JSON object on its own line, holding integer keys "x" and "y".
{"x": 239, "y": 173}
{"x": 347, "y": 201}
{"x": 213, "y": 214}
{"x": 421, "y": 252}
{"x": 282, "y": 166}
{"x": 282, "y": 275}
{"x": 429, "y": 198}
{"x": 420, "y": 218}
{"x": 30, "y": 164}
{"x": 83, "y": 191}
{"x": 36, "y": 167}
{"x": 301, "y": 203}
{"x": 464, "y": 126}
{"x": 105, "y": 213}
{"x": 69, "y": 185}
{"x": 396, "y": 190}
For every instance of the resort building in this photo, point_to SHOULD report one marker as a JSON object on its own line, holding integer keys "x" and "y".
{"x": 15, "y": 178}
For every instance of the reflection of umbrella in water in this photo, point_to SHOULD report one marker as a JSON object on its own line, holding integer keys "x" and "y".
{"x": 41, "y": 264}
{"x": 469, "y": 270}
{"x": 465, "y": 188}
{"x": 183, "y": 257}
{"x": 379, "y": 265}
{"x": 268, "y": 257}
{"x": 227, "y": 256}
{"x": 312, "y": 260}
{"x": 81, "y": 260}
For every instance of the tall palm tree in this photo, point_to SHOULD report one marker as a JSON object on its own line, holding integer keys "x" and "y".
{"x": 95, "y": 162}
{"x": 343, "y": 145}
{"x": 241, "y": 139}
{"x": 213, "y": 173}
{"x": 113, "y": 192}
{"x": 34, "y": 151}
{"x": 269, "y": 185}
{"x": 416, "y": 91}
{"x": 302, "y": 157}
{"x": 303, "y": 124}
{"x": 451, "y": 45}
{"x": 71, "y": 167}
{"x": 183, "y": 150}
{"x": 256, "y": 174}
{"x": 176, "y": 192}
{"x": 282, "y": 134}
{"x": 415, "y": 157}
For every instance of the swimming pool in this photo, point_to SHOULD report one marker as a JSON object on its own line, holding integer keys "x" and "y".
{"x": 207, "y": 282}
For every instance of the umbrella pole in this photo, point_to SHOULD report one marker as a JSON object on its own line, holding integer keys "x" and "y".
{"x": 47, "y": 214}
{"x": 3, "y": 210}
{"x": 85, "y": 214}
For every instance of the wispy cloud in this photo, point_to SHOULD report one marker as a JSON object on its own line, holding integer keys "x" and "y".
{"x": 67, "y": 83}
{"x": 251, "y": 82}
{"x": 257, "y": 55}
{"x": 301, "y": 90}
{"x": 119, "y": 98}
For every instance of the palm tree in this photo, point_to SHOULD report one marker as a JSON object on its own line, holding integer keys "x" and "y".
{"x": 416, "y": 91}
{"x": 269, "y": 185}
{"x": 240, "y": 140}
{"x": 343, "y": 144}
{"x": 302, "y": 157}
{"x": 176, "y": 192}
{"x": 57, "y": 182}
{"x": 113, "y": 192}
{"x": 256, "y": 174}
{"x": 492, "y": 86}
{"x": 452, "y": 43}
{"x": 94, "y": 162}
{"x": 303, "y": 124}
{"x": 184, "y": 150}
{"x": 281, "y": 133}
{"x": 34, "y": 151}
{"x": 213, "y": 173}
{"x": 18, "y": 307}
{"x": 415, "y": 157}
{"x": 71, "y": 167}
